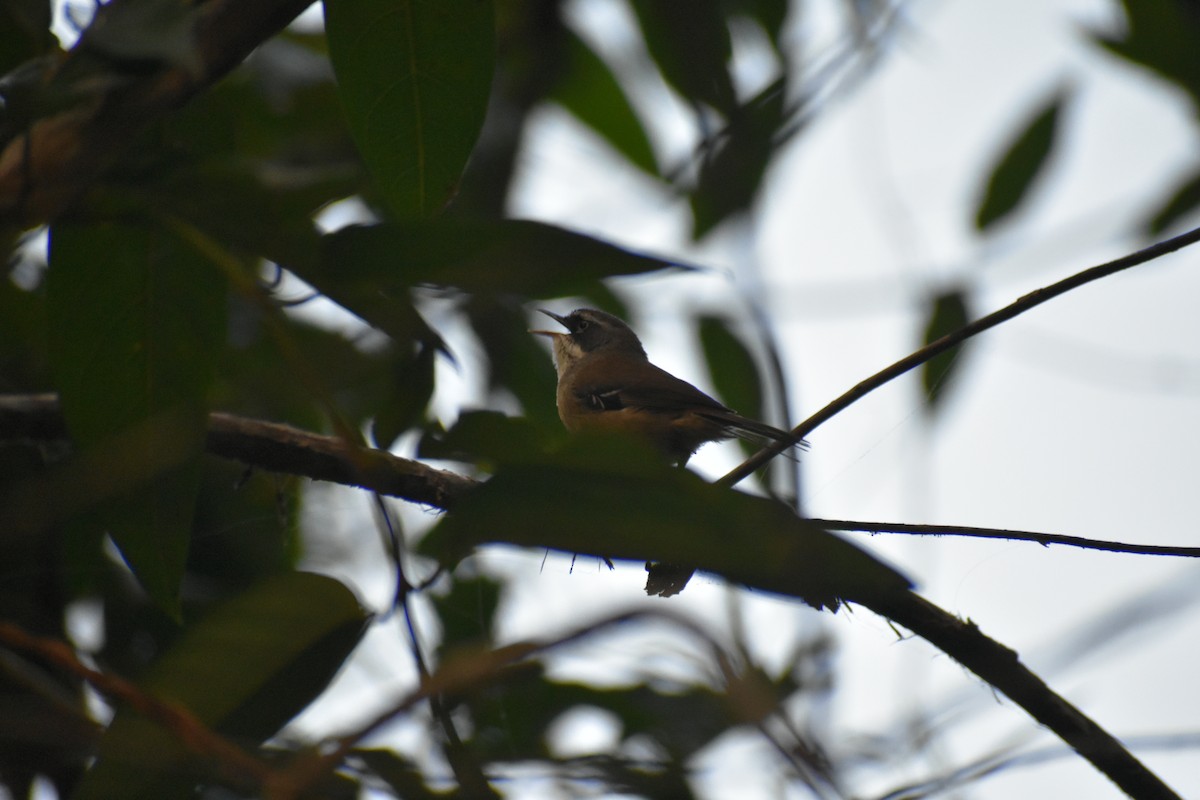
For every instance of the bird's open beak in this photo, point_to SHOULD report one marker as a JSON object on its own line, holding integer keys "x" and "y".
{"x": 561, "y": 321}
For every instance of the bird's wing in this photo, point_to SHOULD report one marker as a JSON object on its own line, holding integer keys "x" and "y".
{"x": 651, "y": 389}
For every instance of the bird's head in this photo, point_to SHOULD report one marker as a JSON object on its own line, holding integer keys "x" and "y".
{"x": 590, "y": 331}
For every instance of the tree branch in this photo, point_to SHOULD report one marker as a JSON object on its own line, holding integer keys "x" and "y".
{"x": 919, "y": 357}
{"x": 1045, "y": 539}
{"x": 1002, "y": 668}
{"x": 273, "y": 447}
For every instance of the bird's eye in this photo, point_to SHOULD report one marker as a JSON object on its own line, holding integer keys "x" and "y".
{"x": 582, "y": 325}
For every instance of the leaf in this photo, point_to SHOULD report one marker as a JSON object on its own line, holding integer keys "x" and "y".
{"x": 734, "y": 371}
{"x": 245, "y": 669}
{"x": 467, "y": 612}
{"x": 1014, "y": 173}
{"x": 516, "y": 361}
{"x": 414, "y": 77}
{"x": 1184, "y": 199}
{"x": 947, "y": 314}
{"x": 512, "y": 719}
{"x": 500, "y": 256}
{"x": 486, "y": 438}
{"x": 689, "y": 41}
{"x": 1160, "y": 35}
{"x": 411, "y": 387}
{"x": 135, "y": 319}
{"x": 592, "y": 94}
{"x": 608, "y": 497}
{"x": 24, "y": 31}
{"x": 733, "y": 368}
{"x": 401, "y": 775}
{"x": 770, "y": 14}
{"x": 732, "y": 176}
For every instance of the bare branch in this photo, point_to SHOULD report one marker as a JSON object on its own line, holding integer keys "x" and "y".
{"x": 916, "y": 359}
{"x": 1046, "y": 539}
{"x": 1002, "y": 668}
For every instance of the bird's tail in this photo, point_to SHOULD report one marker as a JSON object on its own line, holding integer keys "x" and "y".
{"x": 753, "y": 431}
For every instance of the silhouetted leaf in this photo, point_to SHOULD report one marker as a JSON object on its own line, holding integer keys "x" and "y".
{"x": 516, "y": 360}
{"x": 503, "y": 256}
{"x": 731, "y": 177}
{"x": 414, "y": 76}
{"x": 592, "y": 94}
{"x": 411, "y": 388}
{"x": 24, "y": 31}
{"x": 1013, "y": 174}
{"x": 400, "y": 774}
{"x": 467, "y": 612}
{"x": 512, "y": 718}
{"x": 133, "y": 345}
{"x": 770, "y": 14}
{"x": 245, "y": 669}
{"x": 947, "y": 314}
{"x": 1160, "y": 35}
{"x": 605, "y": 496}
{"x": 734, "y": 371}
{"x": 486, "y": 438}
{"x": 733, "y": 368}
{"x": 689, "y": 40}
{"x": 1183, "y": 200}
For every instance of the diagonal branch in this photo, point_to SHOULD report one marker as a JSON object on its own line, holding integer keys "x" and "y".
{"x": 914, "y": 360}
{"x": 1045, "y": 539}
{"x": 1001, "y": 667}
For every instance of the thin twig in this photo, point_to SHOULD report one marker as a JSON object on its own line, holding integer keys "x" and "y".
{"x": 184, "y": 726}
{"x": 1045, "y": 539}
{"x": 474, "y": 671}
{"x": 1020, "y": 306}
{"x": 466, "y": 767}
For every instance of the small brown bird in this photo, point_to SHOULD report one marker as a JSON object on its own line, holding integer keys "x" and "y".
{"x": 606, "y": 382}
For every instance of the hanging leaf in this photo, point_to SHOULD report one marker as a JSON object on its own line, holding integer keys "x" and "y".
{"x": 593, "y": 95}
{"x": 1184, "y": 200}
{"x": 734, "y": 371}
{"x": 1159, "y": 35}
{"x": 523, "y": 257}
{"x": 411, "y": 388}
{"x": 1014, "y": 173}
{"x": 689, "y": 41}
{"x": 467, "y": 612}
{"x": 245, "y": 669}
{"x": 132, "y": 348}
{"x": 732, "y": 176}
{"x": 414, "y": 77}
{"x": 947, "y": 314}
{"x": 24, "y": 31}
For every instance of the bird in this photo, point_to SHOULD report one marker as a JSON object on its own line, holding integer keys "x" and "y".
{"x": 607, "y": 382}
